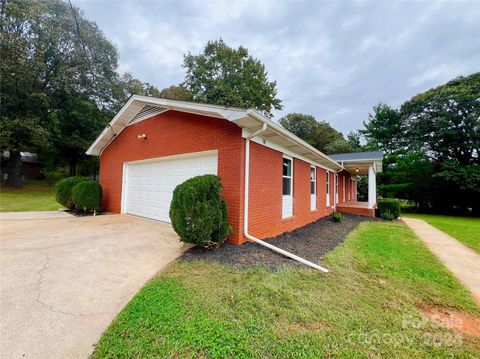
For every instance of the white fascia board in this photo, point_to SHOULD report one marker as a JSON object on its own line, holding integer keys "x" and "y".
{"x": 285, "y": 151}
{"x": 279, "y": 129}
{"x": 230, "y": 114}
{"x": 110, "y": 124}
{"x": 296, "y": 140}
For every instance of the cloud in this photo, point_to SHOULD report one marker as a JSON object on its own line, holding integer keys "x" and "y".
{"x": 334, "y": 60}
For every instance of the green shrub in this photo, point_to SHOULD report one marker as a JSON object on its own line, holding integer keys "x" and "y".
{"x": 199, "y": 213}
{"x": 64, "y": 190}
{"x": 389, "y": 204}
{"x": 87, "y": 195}
{"x": 387, "y": 215}
{"x": 337, "y": 217}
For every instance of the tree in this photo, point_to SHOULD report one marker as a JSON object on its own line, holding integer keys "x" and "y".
{"x": 432, "y": 144}
{"x": 125, "y": 86}
{"x": 177, "y": 92}
{"x": 320, "y": 134}
{"x": 444, "y": 122}
{"x": 50, "y": 55}
{"x": 384, "y": 129}
{"x": 303, "y": 126}
{"x": 226, "y": 76}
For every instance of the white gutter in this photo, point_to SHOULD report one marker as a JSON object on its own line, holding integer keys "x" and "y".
{"x": 245, "y": 210}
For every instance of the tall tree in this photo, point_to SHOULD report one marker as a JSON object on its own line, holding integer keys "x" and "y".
{"x": 444, "y": 122}
{"x": 384, "y": 129}
{"x": 227, "y": 76}
{"x": 301, "y": 125}
{"x": 51, "y": 54}
{"x": 177, "y": 92}
{"x": 320, "y": 135}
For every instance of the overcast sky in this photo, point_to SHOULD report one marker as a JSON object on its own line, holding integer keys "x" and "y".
{"x": 333, "y": 60}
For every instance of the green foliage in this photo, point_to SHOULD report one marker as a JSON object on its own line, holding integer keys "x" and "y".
{"x": 199, "y": 213}
{"x": 383, "y": 130}
{"x": 444, "y": 121}
{"x": 432, "y": 146}
{"x": 387, "y": 215}
{"x": 87, "y": 195}
{"x": 320, "y": 134}
{"x": 178, "y": 92}
{"x": 52, "y": 177}
{"x": 58, "y": 81}
{"x": 395, "y": 190}
{"x": 64, "y": 190}
{"x": 223, "y": 75}
{"x": 337, "y": 217}
{"x": 390, "y": 205}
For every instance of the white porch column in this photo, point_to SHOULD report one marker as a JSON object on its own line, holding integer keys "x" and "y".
{"x": 372, "y": 187}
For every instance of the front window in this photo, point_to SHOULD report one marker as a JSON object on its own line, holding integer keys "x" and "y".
{"x": 328, "y": 182}
{"x": 312, "y": 180}
{"x": 287, "y": 176}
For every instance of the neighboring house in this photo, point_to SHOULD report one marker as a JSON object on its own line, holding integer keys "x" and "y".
{"x": 30, "y": 169}
{"x": 154, "y": 144}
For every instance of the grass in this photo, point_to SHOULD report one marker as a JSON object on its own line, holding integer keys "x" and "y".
{"x": 34, "y": 196}
{"x": 367, "y": 306}
{"x": 464, "y": 229}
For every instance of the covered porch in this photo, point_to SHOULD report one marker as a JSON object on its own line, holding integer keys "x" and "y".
{"x": 361, "y": 164}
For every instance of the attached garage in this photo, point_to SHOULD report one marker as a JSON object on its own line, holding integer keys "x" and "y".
{"x": 148, "y": 185}
{"x": 272, "y": 181}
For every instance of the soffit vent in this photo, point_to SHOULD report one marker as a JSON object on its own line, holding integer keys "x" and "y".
{"x": 147, "y": 111}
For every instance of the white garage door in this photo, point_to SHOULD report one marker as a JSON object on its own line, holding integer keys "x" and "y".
{"x": 148, "y": 186}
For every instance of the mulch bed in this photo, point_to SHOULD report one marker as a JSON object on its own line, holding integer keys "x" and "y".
{"x": 310, "y": 242}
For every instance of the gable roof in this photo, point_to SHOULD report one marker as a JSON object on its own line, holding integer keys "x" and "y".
{"x": 138, "y": 108}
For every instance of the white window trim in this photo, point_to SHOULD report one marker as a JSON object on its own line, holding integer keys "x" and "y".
{"x": 343, "y": 194}
{"x": 336, "y": 188}
{"x": 290, "y": 196}
{"x": 313, "y": 196}
{"x": 328, "y": 190}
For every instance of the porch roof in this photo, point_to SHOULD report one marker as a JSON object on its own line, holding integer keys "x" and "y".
{"x": 358, "y": 162}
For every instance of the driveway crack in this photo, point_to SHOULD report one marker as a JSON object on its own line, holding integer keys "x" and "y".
{"x": 41, "y": 278}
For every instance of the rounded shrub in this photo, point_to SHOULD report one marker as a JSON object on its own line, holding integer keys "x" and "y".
{"x": 337, "y": 217}
{"x": 199, "y": 213}
{"x": 391, "y": 205}
{"x": 387, "y": 215}
{"x": 64, "y": 190}
{"x": 87, "y": 195}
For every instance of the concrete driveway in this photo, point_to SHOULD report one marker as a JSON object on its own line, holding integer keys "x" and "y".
{"x": 63, "y": 280}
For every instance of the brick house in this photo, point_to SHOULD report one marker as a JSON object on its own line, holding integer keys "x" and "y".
{"x": 154, "y": 144}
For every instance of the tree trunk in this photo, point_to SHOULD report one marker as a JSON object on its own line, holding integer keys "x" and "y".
{"x": 14, "y": 165}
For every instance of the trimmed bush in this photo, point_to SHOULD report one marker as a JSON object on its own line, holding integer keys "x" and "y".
{"x": 64, "y": 190}
{"x": 337, "y": 217}
{"x": 199, "y": 213}
{"x": 87, "y": 195}
{"x": 387, "y": 215}
{"x": 390, "y": 204}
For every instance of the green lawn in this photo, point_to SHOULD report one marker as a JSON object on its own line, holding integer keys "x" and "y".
{"x": 465, "y": 229}
{"x": 367, "y": 306}
{"x": 34, "y": 196}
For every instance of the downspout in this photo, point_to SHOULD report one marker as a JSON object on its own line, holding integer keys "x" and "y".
{"x": 245, "y": 209}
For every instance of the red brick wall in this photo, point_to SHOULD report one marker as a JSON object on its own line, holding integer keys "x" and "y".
{"x": 265, "y": 201}
{"x": 173, "y": 133}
